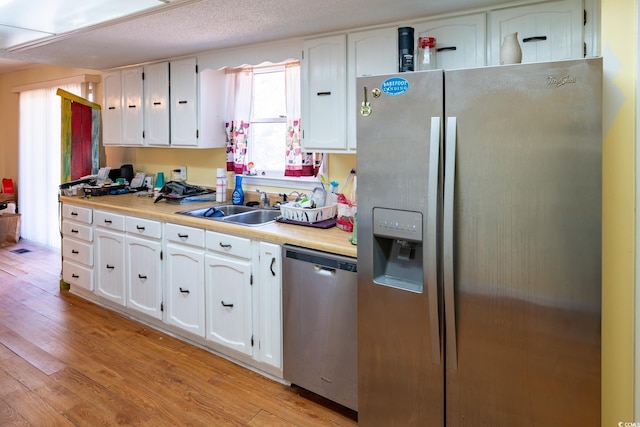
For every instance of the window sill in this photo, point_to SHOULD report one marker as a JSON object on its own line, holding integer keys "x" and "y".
{"x": 306, "y": 184}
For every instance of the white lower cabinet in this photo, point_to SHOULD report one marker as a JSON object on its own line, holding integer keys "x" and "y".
{"x": 144, "y": 265}
{"x": 229, "y": 279}
{"x": 110, "y": 265}
{"x": 77, "y": 247}
{"x": 184, "y": 272}
{"x": 268, "y": 305}
{"x": 144, "y": 278}
{"x": 109, "y": 253}
{"x": 221, "y": 290}
{"x": 228, "y": 296}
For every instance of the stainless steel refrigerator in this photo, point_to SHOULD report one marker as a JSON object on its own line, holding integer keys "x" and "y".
{"x": 479, "y": 246}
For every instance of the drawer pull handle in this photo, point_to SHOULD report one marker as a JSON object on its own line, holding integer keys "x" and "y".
{"x": 110, "y": 267}
{"x": 182, "y": 102}
{"x": 534, "y": 39}
{"x": 324, "y": 93}
{"x": 74, "y": 213}
{"x": 73, "y": 251}
{"x": 141, "y": 276}
{"x": 132, "y": 106}
{"x": 73, "y": 230}
{"x": 183, "y": 236}
{"x": 273, "y": 261}
{"x": 226, "y": 305}
{"x": 441, "y": 49}
{"x": 112, "y": 108}
{"x": 140, "y": 228}
{"x": 184, "y": 291}
{"x": 157, "y": 103}
{"x": 108, "y": 221}
{"x": 226, "y": 246}
{"x": 75, "y": 276}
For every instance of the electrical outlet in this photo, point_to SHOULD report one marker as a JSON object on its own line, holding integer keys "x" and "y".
{"x": 183, "y": 172}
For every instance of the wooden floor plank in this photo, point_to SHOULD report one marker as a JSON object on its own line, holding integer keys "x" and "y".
{"x": 66, "y": 361}
{"x": 31, "y": 353}
{"x": 31, "y": 407}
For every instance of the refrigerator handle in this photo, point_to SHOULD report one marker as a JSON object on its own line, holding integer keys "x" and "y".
{"x": 447, "y": 247}
{"x": 431, "y": 272}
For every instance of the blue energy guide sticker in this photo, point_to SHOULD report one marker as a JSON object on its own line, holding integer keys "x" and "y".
{"x": 395, "y": 86}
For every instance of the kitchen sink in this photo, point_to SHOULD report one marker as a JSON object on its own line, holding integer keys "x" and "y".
{"x": 236, "y": 214}
{"x": 255, "y": 217}
{"x": 218, "y": 211}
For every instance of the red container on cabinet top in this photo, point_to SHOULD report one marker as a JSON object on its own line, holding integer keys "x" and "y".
{"x": 7, "y": 185}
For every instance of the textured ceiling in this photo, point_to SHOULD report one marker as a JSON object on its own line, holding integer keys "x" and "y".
{"x": 187, "y": 27}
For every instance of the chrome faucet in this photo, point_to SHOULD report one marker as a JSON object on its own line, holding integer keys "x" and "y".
{"x": 264, "y": 198}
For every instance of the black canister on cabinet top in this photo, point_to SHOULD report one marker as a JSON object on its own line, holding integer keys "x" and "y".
{"x": 405, "y": 49}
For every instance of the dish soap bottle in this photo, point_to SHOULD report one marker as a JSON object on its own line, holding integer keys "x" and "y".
{"x": 237, "y": 197}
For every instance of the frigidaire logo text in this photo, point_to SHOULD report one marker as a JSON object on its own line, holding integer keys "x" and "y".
{"x": 560, "y": 81}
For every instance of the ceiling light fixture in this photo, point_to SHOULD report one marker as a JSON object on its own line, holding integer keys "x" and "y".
{"x": 42, "y": 39}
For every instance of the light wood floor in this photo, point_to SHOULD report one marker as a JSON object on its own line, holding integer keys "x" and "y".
{"x": 67, "y": 362}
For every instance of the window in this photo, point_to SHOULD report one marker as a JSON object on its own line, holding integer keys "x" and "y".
{"x": 263, "y": 127}
{"x": 268, "y": 121}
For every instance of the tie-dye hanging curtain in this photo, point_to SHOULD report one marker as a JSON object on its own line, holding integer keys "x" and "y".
{"x": 297, "y": 162}
{"x": 239, "y": 86}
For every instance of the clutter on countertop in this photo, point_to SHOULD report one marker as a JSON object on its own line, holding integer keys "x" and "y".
{"x": 180, "y": 192}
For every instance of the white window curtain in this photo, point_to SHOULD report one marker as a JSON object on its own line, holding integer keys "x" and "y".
{"x": 239, "y": 86}
{"x": 39, "y": 163}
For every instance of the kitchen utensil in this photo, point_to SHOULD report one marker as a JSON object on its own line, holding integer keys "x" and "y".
{"x": 319, "y": 197}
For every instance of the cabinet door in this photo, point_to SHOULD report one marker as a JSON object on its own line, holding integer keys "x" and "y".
{"x": 269, "y": 305}
{"x": 369, "y": 53}
{"x": 110, "y": 265}
{"x": 546, "y": 31}
{"x": 460, "y": 41}
{"x": 156, "y": 104}
{"x": 185, "y": 288}
{"x": 211, "y": 109}
{"x": 111, "y": 113}
{"x": 144, "y": 278}
{"x": 229, "y": 302}
{"x": 184, "y": 89}
{"x": 324, "y": 93}
{"x": 132, "y": 108}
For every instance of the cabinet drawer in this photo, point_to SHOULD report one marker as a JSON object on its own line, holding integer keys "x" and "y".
{"x": 230, "y": 245}
{"x": 77, "y": 275}
{"x": 143, "y": 227}
{"x": 77, "y": 231}
{"x": 75, "y": 250}
{"x": 109, "y": 220}
{"x": 77, "y": 213}
{"x": 185, "y": 235}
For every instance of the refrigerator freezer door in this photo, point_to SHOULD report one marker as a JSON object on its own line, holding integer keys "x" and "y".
{"x": 400, "y": 364}
{"x": 526, "y": 244}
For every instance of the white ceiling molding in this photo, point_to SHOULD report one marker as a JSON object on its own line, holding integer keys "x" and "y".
{"x": 82, "y": 78}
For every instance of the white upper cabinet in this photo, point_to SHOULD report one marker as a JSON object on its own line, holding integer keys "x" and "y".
{"x": 132, "y": 108}
{"x": 156, "y": 104}
{"x": 324, "y": 94}
{"x": 123, "y": 109}
{"x": 112, "y": 108}
{"x": 197, "y": 99}
{"x": 368, "y": 53}
{"x": 184, "y": 90}
{"x": 460, "y": 41}
{"x": 547, "y": 32}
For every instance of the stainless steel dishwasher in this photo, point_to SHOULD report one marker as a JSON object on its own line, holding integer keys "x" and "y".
{"x": 320, "y": 323}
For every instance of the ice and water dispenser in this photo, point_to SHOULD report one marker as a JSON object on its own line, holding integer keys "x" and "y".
{"x": 398, "y": 249}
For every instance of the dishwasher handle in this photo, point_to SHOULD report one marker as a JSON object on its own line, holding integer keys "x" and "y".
{"x": 321, "y": 259}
